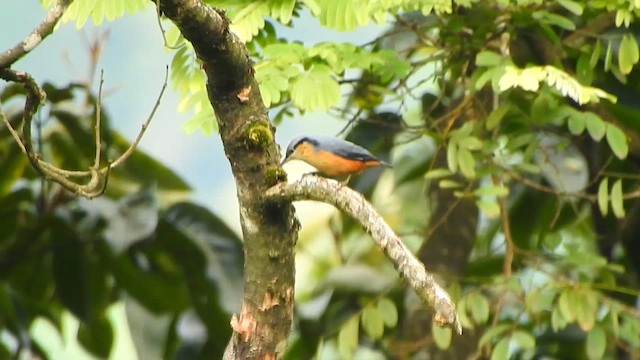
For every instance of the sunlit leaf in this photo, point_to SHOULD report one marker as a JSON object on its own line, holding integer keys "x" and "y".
{"x": 389, "y": 312}
{"x": 603, "y": 196}
{"x": 524, "y": 339}
{"x": 372, "y": 322}
{"x": 617, "y": 141}
{"x": 441, "y": 336}
{"x": 595, "y": 54}
{"x": 489, "y": 208}
{"x": 539, "y": 300}
{"x": 495, "y": 117}
{"x": 348, "y": 337}
{"x": 577, "y": 124}
{"x": 595, "y": 126}
{"x": 488, "y": 58}
{"x": 501, "y": 350}
{"x": 617, "y": 202}
{"x": 438, "y": 173}
{"x": 479, "y": 307}
{"x": 467, "y": 163}
{"x": 628, "y": 53}
{"x": 596, "y": 343}
{"x": 316, "y": 89}
{"x": 573, "y": 6}
{"x": 585, "y": 308}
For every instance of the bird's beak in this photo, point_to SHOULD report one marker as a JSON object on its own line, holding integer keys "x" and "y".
{"x": 284, "y": 161}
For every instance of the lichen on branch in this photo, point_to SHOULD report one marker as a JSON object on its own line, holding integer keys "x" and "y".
{"x": 352, "y": 203}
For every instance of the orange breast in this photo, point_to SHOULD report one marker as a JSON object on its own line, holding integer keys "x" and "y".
{"x": 330, "y": 164}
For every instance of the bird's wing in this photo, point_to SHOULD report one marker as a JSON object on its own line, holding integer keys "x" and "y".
{"x": 352, "y": 151}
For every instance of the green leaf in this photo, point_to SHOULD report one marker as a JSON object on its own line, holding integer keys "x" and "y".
{"x": 496, "y": 116}
{"x": 585, "y": 305}
{"x": 343, "y": 15}
{"x": 558, "y": 321}
{"x": 524, "y": 339}
{"x": 617, "y": 201}
{"x": 614, "y": 311}
{"x": 441, "y": 336}
{"x": 595, "y": 54}
{"x": 617, "y": 141}
{"x": 603, "y": 196}
{"x": 157, "y": 291}
{"x": 559, "y": 20}
{"x": 471, "y": 143}
{"x": 501, "y": 350}
{"x": 552, "y": 240}
{"x": 566, "y": 305}
{"x": 489, "y": 208}
{"x": 247, "y": 22}
{"x": 628, "y": 53}
{"x": 438, "y": 173}
{"x": 372, "y": 322}
{"x": 316, "y": 89}
{"x": 452, "y": 157}
{"x": 584, "y": 71}
{"x": 491, "y": 333}
{"x": 596, "y": 343}
{"x": 449, "y": 184}
{"x": 492, "y": 190}
{"x": 488, "y": 58}
{"x": 608, "y": 56}
{"x": 577, "y": 124}
{"x": 388, "y": 311}
{"x": 98, "y": 10}
{"x": 97, "y": 336}
{"x": 595, "y": 126}
{"x": 575, "y": 7}
{"x": 11, "y": 168}
{"x": 80, "y": 283}
{"x": 465, "y": 321}
{"x": 479, "y": 307}
{"x": 348, "y": 338}
{"x": 467, "y": 163}
{"x": 282, "y": 10}
{"x": 539, "y": 300}
{"x": 492, "y": 75}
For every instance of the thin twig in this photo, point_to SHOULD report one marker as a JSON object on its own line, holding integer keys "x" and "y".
{"x": 97, "y": 176}
{"x": 96, "y": 162}
{"x": 9, "y": 57}
{"x": 137, "y": 140}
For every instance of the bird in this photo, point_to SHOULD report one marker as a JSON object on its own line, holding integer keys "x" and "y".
{"x": 332, "y": 157}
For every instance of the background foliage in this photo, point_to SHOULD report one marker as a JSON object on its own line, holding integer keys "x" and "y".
{"x": 513, "y": 130}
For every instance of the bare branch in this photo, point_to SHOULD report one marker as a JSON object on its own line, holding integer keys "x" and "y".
{"x": 96, "y": 185}
{"x": 36, "y": 36}
{"x": 144, "y": 127}
{"x": 312, "y": 187}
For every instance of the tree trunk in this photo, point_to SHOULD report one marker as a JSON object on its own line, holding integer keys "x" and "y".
{"x": 269, "y": 230}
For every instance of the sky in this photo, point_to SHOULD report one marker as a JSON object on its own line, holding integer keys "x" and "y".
{"x": 134, "y": 64}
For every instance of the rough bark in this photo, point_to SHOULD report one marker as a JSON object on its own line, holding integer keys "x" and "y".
{"x": 270, "y": 231}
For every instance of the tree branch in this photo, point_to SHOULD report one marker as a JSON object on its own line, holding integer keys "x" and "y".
{"x": 355, "y": 205}
{"x": 96, "y": 185}
{"x": 9, "y": 57}
{"x": 269, "y": 230}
